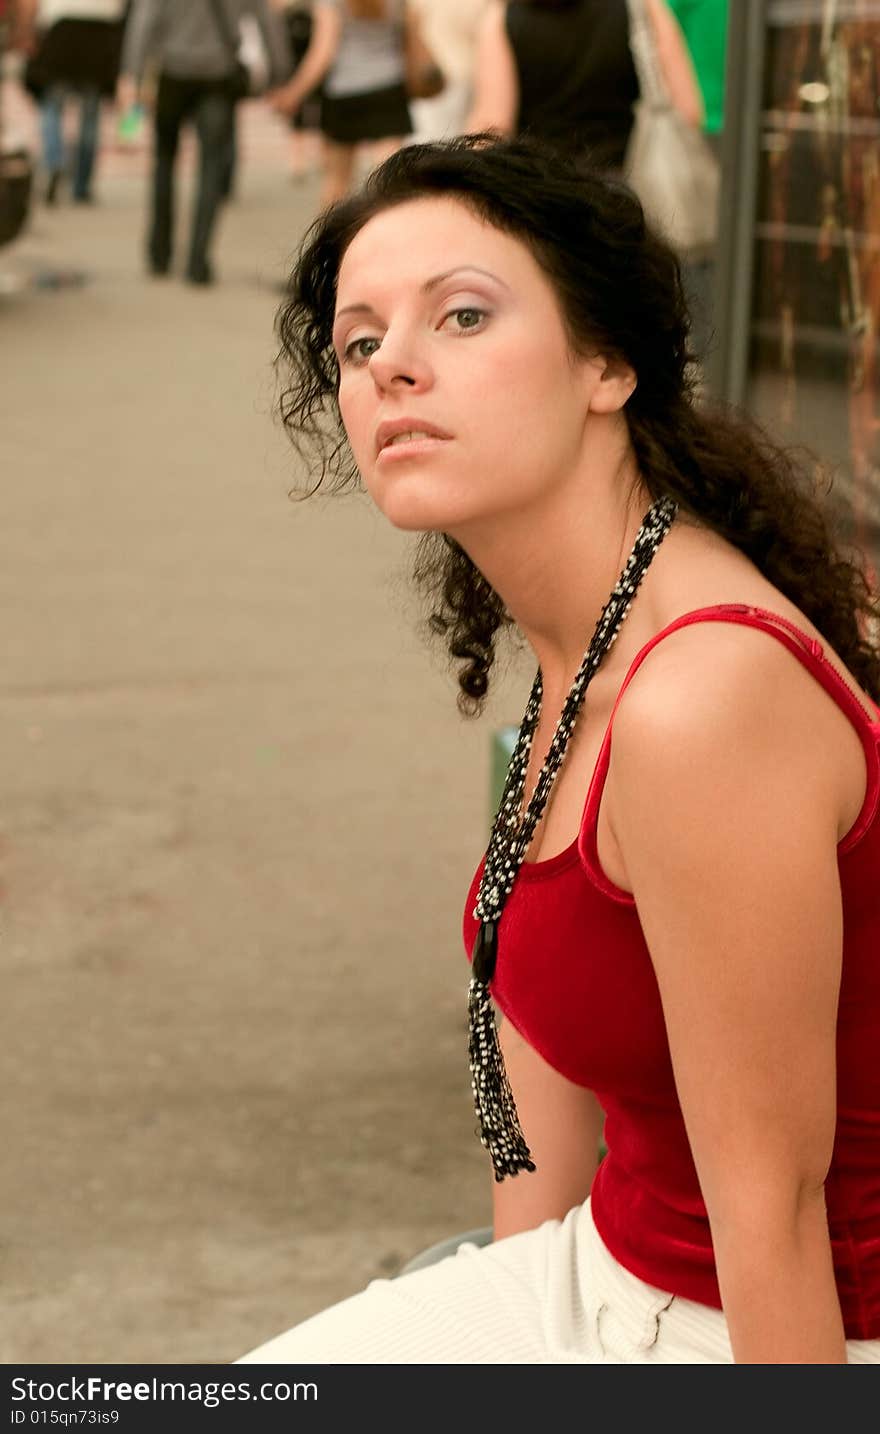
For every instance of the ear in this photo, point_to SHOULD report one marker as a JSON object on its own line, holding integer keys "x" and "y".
{"x": 612, "y": 383}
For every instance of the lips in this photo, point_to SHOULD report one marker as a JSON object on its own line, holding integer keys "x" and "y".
{"x": 400, "y": 431}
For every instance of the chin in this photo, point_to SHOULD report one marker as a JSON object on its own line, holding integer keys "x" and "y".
{"x": 412, "y": 507}
{"x": 418, "y": 518}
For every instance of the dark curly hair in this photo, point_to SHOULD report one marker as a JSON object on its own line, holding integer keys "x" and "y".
{"x": 621, "y": 292}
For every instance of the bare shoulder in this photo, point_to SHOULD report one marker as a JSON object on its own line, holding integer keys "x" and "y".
{"x": 709, "y": 662}
{"x": 718, "y": 702}
{"x": 712, "y": 673}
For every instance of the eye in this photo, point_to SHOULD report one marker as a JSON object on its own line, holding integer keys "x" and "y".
{"x": 355, "y": 353}
{"x": 468, "y": 318}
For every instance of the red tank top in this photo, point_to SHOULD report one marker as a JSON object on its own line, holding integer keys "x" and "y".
{"x": 575, "y": 978}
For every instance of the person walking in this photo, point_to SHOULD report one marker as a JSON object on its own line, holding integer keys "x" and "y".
{"x": 704, "y": 24}
{"x": 358, "y": 50}
{"x": 74, "y": 48}
{"x": 190, "y": 46}
{"x": 676, "y": 922}
{"x": 562, "y": 70}
{"x": 451, "y": 29}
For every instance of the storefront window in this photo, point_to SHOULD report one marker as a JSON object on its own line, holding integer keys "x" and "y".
{"x": 813, "y": 368}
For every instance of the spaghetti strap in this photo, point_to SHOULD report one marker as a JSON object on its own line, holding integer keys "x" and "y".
{"x": 811, "y": 654}
{"x": 807, "y": 649}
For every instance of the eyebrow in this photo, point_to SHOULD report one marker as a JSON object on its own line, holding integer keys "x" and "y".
{"x": 427, "y": 287}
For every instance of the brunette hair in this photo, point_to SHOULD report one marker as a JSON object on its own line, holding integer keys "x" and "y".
{"x": 620, "y": 291}
{"x": 367, "y": 9}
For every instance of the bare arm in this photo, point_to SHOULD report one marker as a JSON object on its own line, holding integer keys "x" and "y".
{"x": 496, "y": 95}
{"x": 562, "y": 1123}
{"x": 321, "y": 52}
{"x": 24, "y": 25}
{"x": 676, "y": 63}
{"x": 725, "y": 808}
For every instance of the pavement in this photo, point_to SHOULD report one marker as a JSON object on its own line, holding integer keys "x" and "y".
{"x": 240, "y": 812}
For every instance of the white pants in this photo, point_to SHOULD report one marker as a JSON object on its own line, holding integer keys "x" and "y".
{"x": 554, "y": 1295}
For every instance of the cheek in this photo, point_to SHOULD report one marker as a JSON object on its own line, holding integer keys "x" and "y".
{"x": 523, "y": 370}
{"x": 525, "y": 411}
{"x": 357, "y": 418}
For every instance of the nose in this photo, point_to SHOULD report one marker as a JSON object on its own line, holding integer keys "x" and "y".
{"x": 399, "y": 362}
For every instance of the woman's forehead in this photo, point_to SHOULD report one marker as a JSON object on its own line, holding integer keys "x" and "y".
{"x": 408, "y": 243}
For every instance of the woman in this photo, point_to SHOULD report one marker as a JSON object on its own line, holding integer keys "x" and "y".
{"x": 75, "y": 47}
{"x": 357, "y": 50}
{"x": 562, "y": 71}
{"x": 689, "y": 950}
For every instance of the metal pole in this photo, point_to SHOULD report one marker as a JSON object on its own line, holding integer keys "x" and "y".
{"x": 727, "y": 368}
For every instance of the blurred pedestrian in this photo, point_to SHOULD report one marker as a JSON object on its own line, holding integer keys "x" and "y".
{"x": 73, "y": 48}
{"x": 704, "y": 24}
{"x": 305, "y": 122}
{"x": 451, "y": 29}
{"x": 191, "y": 46}
{"x": 562, "y": 71}
{"x": 358, "y": 50}
{"x": 16, "y": 157}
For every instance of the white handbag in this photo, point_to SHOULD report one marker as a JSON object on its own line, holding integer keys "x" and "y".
{"x": 669, "y": 163}
{"x": 253, "y": 55}
{"x": 251, "y": 67}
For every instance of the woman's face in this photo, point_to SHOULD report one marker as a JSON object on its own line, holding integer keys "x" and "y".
{"x": 459, "y": 393}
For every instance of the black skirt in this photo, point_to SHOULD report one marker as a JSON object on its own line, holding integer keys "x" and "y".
{"x": 375, "y": 114}
{"x": 82, "y": 54}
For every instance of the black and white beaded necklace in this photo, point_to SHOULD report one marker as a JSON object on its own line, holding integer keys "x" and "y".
{"x": 512, "y": 832}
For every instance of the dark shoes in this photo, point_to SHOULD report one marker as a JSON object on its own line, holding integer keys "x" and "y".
{"x": 54, "y": 181}
{"x": 158, "y": 259}
{"x": 53, "y": 184}
{"x": 200, "y": 272}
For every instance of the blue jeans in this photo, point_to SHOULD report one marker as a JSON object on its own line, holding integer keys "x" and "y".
{"x": 52, "y": 121}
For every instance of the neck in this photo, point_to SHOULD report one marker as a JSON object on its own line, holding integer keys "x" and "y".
{"x": 555, "y": 565}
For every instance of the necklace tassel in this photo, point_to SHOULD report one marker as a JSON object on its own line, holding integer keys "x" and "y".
{"x": 512, "y": 832}
{"x": 500, "y": 1130}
